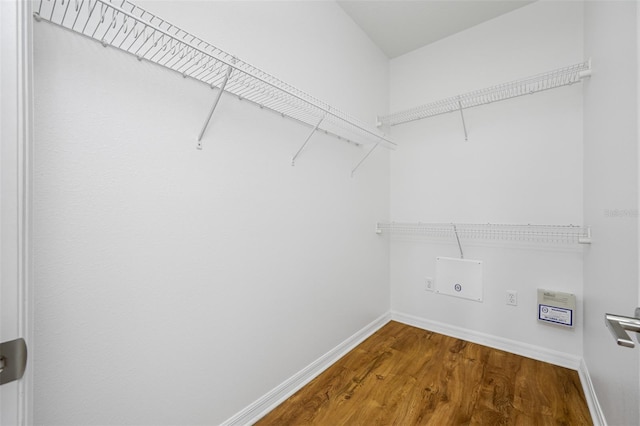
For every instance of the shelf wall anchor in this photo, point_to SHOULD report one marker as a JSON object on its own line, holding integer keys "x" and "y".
{"x": 364, "y": 158}
{"x": 215, "y": 104}
{"x": 585, "y": 73}
{"x": 464, "y": 126}
{"x": 306, "y": 141}
{"x": 586, "y": 239}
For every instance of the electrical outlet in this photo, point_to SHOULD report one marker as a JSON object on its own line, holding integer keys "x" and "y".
{"x": 428, "y": 284}
{"x": 512, "y": 297}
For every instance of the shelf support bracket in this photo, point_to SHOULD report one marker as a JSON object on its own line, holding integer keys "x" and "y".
{"x": 364, "y": 158}
{"x": 306, "y": 141}
{"x": 464, "y": 126}
{"x": 585, "y": 239}
{"x": 215, "y": 104}
{"x": 455, "y": 231}
{"x": 586, "y": 73}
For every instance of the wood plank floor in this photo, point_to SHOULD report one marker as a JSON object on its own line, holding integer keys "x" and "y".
{"x": 403, "y": 375}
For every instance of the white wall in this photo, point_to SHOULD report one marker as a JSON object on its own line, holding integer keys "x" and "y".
{"x": 611, "y": 202}
{"x": 522, "y": 164}
{"x": 177, "y": 286}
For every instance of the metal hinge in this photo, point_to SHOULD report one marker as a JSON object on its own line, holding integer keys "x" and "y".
{"x": 13, "y": 360}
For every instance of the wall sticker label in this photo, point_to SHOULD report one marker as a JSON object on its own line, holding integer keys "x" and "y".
{"x": 555, "y": 315}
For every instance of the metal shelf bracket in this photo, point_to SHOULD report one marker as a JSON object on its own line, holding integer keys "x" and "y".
{"x": 215, "y": 104}
{"x": 464, "y": 126}
{"x": 306, "y": 141}
{"x": 586, "y": 238}
{"x": 364, "y": 158}
{"x": 455, "y": 231}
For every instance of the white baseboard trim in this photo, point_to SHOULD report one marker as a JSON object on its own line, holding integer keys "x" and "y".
{"x": 275, "y": 397}
{"x": 519, "y": 348}
{"x": 590, "y": 394}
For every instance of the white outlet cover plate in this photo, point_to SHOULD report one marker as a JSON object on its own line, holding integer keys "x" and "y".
{"x": 428, "y": 284}
{"x": 459, "y": 278}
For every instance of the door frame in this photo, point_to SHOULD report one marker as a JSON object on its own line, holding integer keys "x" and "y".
{"x": 16, "y": 130}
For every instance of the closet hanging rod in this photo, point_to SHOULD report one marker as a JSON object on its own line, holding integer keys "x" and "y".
{"x": 490, "y": 231}
{"x": 538, "y": 83}
{"x": 165, "y": 44}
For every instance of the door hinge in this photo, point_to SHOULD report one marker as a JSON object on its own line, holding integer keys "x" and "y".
{"x": 13, "y": 360}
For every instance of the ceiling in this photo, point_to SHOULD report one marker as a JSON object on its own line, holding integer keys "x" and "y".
{"x": 400, "y": 26}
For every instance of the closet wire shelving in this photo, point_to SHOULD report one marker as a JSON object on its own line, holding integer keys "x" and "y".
{"x": 538, "y": 83}
{"x": 132, "y": 29}
{"x": 545, "y": 234}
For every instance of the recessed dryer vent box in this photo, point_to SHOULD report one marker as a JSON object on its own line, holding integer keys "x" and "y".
{"x": 556, "y": 308}
{"x": 459, "y": 278}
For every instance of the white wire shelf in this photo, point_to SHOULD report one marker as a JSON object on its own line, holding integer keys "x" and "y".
{"x": 130, "y": 28}
{"x": 526, "y": 86}
{"x": 555, "y": 234}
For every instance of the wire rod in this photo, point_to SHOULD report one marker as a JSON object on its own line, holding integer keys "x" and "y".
{"x": 464, "y": 125}
{"x": 364, "y": 158}
{"x": 563, "y": 234}
{"x": 306, "y": 141}
{"x": 112, "y": 22}
{"x": 213, "y": 107}
{"x": 455, "y": 231}
{"x": 526, "y": 86}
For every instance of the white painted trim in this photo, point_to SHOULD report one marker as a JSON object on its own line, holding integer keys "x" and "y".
{"x": 275, "y": 397}
{"x": 16, "y": 114}
{"x": 590, "y": 394}
{"x": 519, "y": 348}
{"x": 26, "y": 226}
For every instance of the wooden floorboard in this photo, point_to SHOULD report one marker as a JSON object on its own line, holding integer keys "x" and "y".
{"x": 404, "y": 375}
